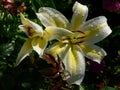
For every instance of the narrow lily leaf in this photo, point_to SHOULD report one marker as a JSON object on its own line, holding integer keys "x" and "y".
{"x": 58, "y": 17}
{"x": 96, "y": 29}
{"x": 80, "y": 13}
{"x": 93, "y": 52}
{"x": 39, "y": 44}
{"x": 25, "y": 50}
{"x": 56, "y": 32}
{"x": 74, "y": 64}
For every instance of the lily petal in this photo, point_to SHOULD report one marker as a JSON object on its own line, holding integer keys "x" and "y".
{"x": 57, "y": 33}
{"x": 93, "y": 52}
{"x": 25, "y": 50}
{"x": 46, "y": 13}
{"x": 39, "y": 44}
{"x": 74, "y": 64}
{"x": 45, "y": 19}
{"x": 57, "y": 49}
{"x": 31, "y": 26}
{"x": 96, "y": 29}
{"x": 80, "y": 13}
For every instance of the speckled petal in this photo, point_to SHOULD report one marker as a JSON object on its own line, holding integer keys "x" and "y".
{"x": 50, "y": 16}
{"x": 74, "y": 64}
{"x": 96, "y": 29}
{"x": 45, "y": 19}
{"x": 93, "y": 52}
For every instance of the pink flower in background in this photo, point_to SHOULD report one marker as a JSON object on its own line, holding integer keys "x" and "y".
{"x": 7, "y": 3}
{"x": 13, "y": 7}
{"x": 111, "y": 5}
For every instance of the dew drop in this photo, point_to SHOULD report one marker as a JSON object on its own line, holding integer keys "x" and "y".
{"x": 8, "y": 54}
{"x": 91, "y": 25}
{"x": 4, "y": 58}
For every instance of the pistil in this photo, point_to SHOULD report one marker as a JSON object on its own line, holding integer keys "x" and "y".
{"x": 77, "y": 38}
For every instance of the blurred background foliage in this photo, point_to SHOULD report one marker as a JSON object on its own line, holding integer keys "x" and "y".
{"x": 104, "y": 76}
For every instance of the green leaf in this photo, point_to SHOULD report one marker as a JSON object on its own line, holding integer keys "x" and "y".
{"x": 6, "y": 49}
{"x": 108, "y": 88}
{"x": 81, "y": 87}
{"x": 119, "y": 52}
{"x": 26, "y": 85}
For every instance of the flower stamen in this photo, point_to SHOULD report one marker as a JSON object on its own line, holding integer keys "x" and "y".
{"x": 77, "y": 38}
{"x": 30, "y": 31}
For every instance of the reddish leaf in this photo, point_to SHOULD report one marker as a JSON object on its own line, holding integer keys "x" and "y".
{"x": 50, "y": 59}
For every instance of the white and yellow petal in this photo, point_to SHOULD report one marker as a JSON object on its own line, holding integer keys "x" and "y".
{"x": 30, "y": 27}
{"x": 45, "y": 19}
{"x": 56, "y": 33}
{"x": 74, "y": 64}
{"x": 50, "y": 16}
{"x": 93, "y": 52}
{"x": 96, "y": 29}
{"x": 25, "y": 50}
{"x": 39, "y": 44}
{"x": 80, "y": 13}
{"x": 57, "y": 49}
{"x": 73, "y": 60}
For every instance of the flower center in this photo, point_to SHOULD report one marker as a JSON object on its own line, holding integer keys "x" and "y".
{"x": 30, "y": 31}
{"x": 77, "y": 38}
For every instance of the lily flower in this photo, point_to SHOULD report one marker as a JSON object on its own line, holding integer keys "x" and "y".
{"x": 37, "y": 37}
{"x": 72, "y": 49}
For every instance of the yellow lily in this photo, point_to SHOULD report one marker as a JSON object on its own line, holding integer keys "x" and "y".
{"x": 37, "y": 37}
{"x": 72, "y": 49}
